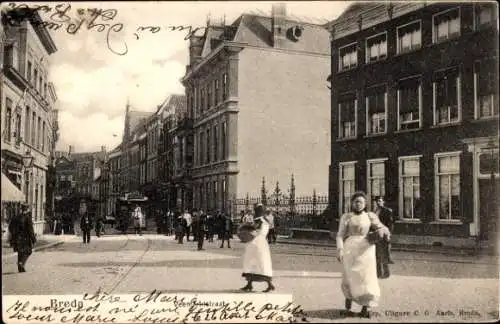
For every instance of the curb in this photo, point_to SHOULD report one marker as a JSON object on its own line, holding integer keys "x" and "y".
{"x": 452, "y": 252}
{"x": 38, "y": 248}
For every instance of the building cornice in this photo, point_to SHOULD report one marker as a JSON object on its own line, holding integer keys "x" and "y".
{"x": 231, "y": 46}
{"x": 374, "y": 16}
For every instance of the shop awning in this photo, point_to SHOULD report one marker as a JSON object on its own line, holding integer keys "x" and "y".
{"x": 9, "y": 191}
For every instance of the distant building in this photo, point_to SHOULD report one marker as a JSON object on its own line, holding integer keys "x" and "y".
{"x": 415, "y": 117}
{"x": 258, "y": 100}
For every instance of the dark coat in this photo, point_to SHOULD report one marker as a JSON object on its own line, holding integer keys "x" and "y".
{"x": 86, "y": 222}
{"x": 382, "y": 246}
{"x": 22, "y": 233}
{"x": 386, "y": 218}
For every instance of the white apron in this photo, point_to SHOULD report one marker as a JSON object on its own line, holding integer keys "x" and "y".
{"x": 257, "y": 256}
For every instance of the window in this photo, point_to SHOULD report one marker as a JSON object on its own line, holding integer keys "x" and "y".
{"x": 409, "y": 187}
{"x": 347, "y": 117}
{"x": 446, "y": 25}
{"x": 201, "y": 148}
{"x": 224, "y": 141}
{"x": 27, "y": 129}
{"x": 348, "y": 57}
{"x": 409, "y": 104}
{"x": 216, "y": 144}
{"x": 33, "y": 127}
{"x": 39, "y": 132}
{"x": 376, "y": 178}
{"x": 209, "y": 96}
{"x": 347, "y": 185}
{"x": 11, "y": 56}
{"x": 207, "y": 158}
{"x": 409, "y": 37}
{"x": 484, "y": 15}
{"x": 446, "y": 96}
{"x": 447, "y": 186}
{"x": 18, "y": 129}
{"x": 376, "y": 119}
{"x": 28, "y": 71}
{"x": 224, "y": 86}
{"x": 217, "y": 91}
{"x": 376, "y": 48}
{"x": 485, "y": 85}
{"x": 8, "y": 119}
{"x": 35, "y": 79}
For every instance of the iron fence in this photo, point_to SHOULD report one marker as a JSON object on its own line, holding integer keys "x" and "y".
{"x": 306, "y": 212}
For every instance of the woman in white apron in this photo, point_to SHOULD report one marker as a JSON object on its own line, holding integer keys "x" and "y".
{"x": 357, "y": 255}
{"x": 257, "y": 264}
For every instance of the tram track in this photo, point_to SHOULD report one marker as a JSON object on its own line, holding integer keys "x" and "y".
{"x": 133, "y": 266}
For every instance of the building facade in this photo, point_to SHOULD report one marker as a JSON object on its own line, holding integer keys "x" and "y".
{"x": 173, "y": 173}
{"x": 28, "y": 101}
{"x": 116, "y": 181}
{"x": 415, "y": 116}
{"x": 259, "y": 102}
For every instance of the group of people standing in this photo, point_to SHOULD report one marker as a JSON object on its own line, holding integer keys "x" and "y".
{"x": 363, "y": 248}
{"x": 203, "y": 226}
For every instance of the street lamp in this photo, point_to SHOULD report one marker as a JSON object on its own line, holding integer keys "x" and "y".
{"x": 27, "y": 163}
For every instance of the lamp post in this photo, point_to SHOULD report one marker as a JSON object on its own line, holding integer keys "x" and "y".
{"x": 27, "y": 164}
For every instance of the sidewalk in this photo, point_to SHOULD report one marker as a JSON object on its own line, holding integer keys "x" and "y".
{"x": 44, "y": 242}
{"x": 395, "y": 247}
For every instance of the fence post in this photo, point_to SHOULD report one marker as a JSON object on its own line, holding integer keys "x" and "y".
{"x": 263, "y": 192}
{"x": 315, "y": 201}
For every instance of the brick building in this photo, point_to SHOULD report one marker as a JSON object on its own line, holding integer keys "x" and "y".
{"x": 257, "y": 96}
{"x": 415, "y": 116}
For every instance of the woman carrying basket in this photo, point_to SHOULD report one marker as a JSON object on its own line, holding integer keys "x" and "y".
{"x": 257, "y": 264}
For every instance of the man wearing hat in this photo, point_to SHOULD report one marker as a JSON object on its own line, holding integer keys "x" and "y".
{"x": 22, "y": 236}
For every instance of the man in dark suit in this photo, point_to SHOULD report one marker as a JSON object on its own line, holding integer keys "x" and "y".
{"x": 22, "y": 236}
{"x": 383, "y": 248}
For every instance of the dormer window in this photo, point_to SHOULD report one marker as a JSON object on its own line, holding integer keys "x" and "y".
{"x": 376, "y": 48}
{"x": 446, "y": 25}
{"x": 348, "y": 57}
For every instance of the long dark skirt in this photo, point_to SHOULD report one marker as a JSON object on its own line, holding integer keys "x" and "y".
{"x": 256, "y": 277}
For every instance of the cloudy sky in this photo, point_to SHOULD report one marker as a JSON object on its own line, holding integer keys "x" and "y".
{"x": 93, "y": 84}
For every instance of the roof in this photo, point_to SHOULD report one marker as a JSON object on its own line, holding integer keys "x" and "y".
{"x": 371, "y": 14}
{"x": 79, "y": 157}
{"x": 135, "y": 117}
{"x": 257, "y": 31}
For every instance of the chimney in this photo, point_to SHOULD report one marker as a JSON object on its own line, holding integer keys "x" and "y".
{"x": 195, "y": 49}
{"x": 278, "y": 23}
{"x": 103, "y": 148}
{"x": 70, "y": 150}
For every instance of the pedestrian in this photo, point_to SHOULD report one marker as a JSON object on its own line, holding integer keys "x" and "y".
{"x": 86, "y": 226}
{"x": 138, "y": 217}
{"x": 189, "y": 220}
{"x": 271, "y": 236}
{"x": 202, "y": 223}
{"x": 195, "y": 218}
{"x": 181, "y": 229}
{"x": 383, "y": 247}
{"x": 226, "y": 230}
{"x": 22, "y": 236}
{"x": 210, "y": 224}
{"x": 386, "y": 217}
{"x": 166, "y": 223}
{"x": 357, "y": 255}
{"x": 99, "y": 228}
{"x": 257, "y": 263}
{"x": 247, "y": 217}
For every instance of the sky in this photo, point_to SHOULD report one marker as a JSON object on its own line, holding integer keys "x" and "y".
{"x": 94, "y": 78}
